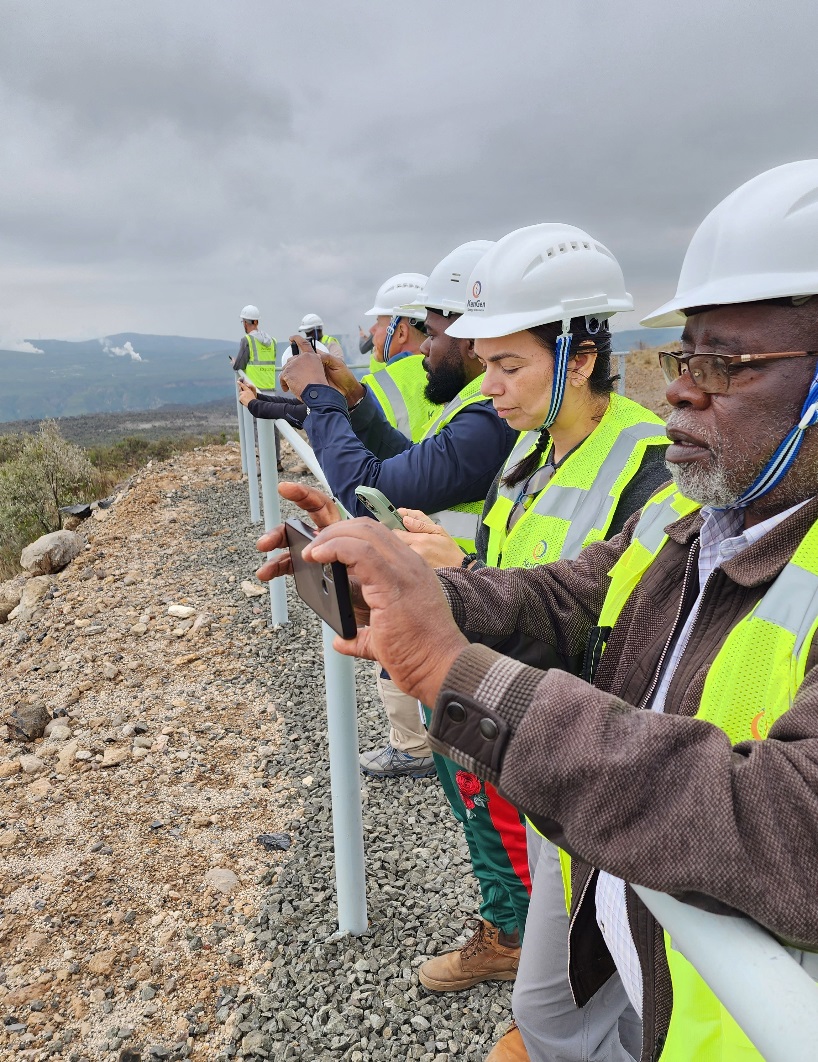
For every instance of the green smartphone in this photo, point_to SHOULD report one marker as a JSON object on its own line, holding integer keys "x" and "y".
{"x": 380, "y": 507}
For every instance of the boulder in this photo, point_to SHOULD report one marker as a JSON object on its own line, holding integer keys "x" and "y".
{"x": 34, "y": 591}
{"x": 10, "y": 594}
{"x": 51, "y": 553}
{"x": 28, "y": 721}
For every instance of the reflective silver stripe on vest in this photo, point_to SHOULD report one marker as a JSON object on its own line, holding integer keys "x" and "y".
{"x": 457, "y": 524}
{"x": 455, "y": 403}
{"x": 594, "y": 507}
{"x": 254, "y": 358}
{"x": 791, "y": 603}
{"x": 526, "y": 442}
{"x": 585, "y": 509}
{"x": 650, "y": 531}
{"x": 396, "y": 401}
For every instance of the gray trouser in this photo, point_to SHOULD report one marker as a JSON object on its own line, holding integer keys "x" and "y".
{"x": 553, "y": 1028}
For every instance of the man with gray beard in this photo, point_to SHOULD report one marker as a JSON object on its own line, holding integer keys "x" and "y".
{"x": 686, "y": 757}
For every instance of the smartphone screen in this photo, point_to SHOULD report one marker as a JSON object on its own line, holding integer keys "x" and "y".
{"x": 324, "y": 587}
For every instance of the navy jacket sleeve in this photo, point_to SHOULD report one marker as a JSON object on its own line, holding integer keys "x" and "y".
{"x": 456, "y": 465}
{"x": 374, "y": 430}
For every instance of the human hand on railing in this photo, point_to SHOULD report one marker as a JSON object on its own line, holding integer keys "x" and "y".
{"x": 429, "y": 540}
{"x": 247, "y": 392}
{"x": 410, "y": 629}
{"x": 304, "y": 370}
{"x": 342, "y": 378}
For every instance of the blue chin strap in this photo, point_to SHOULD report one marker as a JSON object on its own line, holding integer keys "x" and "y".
{"x": 782, "y": 460}
{"x": 561, "y": 356}
{"x": 390, "y": 331}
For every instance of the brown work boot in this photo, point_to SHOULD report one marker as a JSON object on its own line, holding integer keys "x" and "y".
{"x": 509, "y": 1048}
{"x": 482, "y": 958}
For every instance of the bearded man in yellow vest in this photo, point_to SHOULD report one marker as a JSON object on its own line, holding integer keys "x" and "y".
{"x": 686, "y": 758}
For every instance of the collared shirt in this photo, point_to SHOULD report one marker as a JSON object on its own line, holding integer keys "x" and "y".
{"x": 721, "y": 538}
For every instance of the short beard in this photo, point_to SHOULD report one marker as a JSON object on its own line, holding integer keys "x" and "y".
{"x": 445, "y": 383}
{"x": 708, "y": 487}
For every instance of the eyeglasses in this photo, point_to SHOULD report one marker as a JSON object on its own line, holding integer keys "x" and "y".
{"x": 711, "y": 372}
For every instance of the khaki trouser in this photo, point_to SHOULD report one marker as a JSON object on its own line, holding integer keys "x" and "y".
{"x": 406, "y": 730}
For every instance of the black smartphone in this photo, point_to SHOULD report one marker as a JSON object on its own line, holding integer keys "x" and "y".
{"x": 294, "y": 349}
{"x": 324, "y": 587}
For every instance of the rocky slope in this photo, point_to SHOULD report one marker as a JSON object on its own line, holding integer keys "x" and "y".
{"x": 142, "y": 917}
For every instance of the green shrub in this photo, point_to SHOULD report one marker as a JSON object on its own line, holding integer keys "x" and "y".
{"x": 45, "y": 473}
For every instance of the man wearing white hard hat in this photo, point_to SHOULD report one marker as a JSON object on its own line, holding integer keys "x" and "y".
{"x": 686, "y": 757}
{"x": 397, "y": 379}
{"x": 257, "y": 352}
{"x": 312, "y": 327}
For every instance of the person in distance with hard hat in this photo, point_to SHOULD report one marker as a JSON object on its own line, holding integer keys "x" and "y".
{"x": 312, "y": 327}
{"x": 257, "y": 359}
{"x": 257, "y": 352}
{"x": 397, "y": 335}
{"x": 447, "y": 471}
{"x": 686, "y": 757}
{"x": 586, "y": 460}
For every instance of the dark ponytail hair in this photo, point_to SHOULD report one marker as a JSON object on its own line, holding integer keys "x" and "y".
{"x": 600, "y": 382}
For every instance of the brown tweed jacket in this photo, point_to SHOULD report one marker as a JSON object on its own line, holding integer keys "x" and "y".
{"x": 661, "y": 800}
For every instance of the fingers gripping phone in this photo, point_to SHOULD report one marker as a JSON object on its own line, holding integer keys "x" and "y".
{"x": 324, "y": 587}
{"x": 380, "y": 507}
{"x": 245, "y": 379}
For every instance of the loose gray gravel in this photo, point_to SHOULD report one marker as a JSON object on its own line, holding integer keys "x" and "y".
{"x": 321, "y": 997}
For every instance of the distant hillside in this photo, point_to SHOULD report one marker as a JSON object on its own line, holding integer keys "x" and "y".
{"x": 128, "y": 371}
{"x": 637, "y": 338}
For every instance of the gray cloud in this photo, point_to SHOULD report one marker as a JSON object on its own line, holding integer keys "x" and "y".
{"x": 164, "y": 164}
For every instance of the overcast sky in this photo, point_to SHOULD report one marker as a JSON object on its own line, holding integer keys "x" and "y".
{"x": 162, "y": 164}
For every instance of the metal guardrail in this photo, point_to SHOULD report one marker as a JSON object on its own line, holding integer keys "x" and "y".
{"x": 339, "y": 675}
{"x": 770, "y": 995}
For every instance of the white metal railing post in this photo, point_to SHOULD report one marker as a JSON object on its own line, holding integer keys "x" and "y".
{"x": 240, "y": 415}
{"x": 250, "y": 458}
{"x": 345, "y": 786}
{"x": 771, "y": 997}
{"x": 272, "y": 509}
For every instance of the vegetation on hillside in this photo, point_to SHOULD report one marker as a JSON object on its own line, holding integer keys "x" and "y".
{"x": 42, "y": 471}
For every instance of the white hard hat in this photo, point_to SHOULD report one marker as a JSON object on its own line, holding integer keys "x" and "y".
{"x": 446, "y": 288}
{"x": 538, "y": 275}
{"x": 249, "y": 313}
{"x": 310, "y": 322}
{"x": 397, "y": 297}
{"x": 761, "y": 242}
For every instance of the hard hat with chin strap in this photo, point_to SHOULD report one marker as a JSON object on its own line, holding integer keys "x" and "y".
{"x": 543, "y": 274}
{"x": 761, "y": 242}
{"x": 538, "y": 275}
{"x": 310, "y": 323}
{"x": 446, "y": 289}
{"x": 396, "y": 299}
{"x": 249, "y": 313}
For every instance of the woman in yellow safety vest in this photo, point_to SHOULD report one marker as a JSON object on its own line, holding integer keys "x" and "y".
{"x": 586, "y": 459}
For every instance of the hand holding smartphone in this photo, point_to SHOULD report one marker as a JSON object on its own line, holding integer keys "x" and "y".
{"x": 324, "y": 587}
{"x": 380, "y": 507}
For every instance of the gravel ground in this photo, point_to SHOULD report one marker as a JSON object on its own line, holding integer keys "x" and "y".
{"x": 141, "y": 917}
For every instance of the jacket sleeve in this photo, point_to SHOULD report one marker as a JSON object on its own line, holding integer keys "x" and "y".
{"x": 658, "y": 800}
{"x": 456, "y": 465}
{"x": 243, "y": 357}
{"x": 278, "y": 407}
{"x": 374, "y": 430}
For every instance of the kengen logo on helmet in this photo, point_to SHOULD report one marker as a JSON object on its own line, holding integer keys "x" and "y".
{"x": 476, "y": 303}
